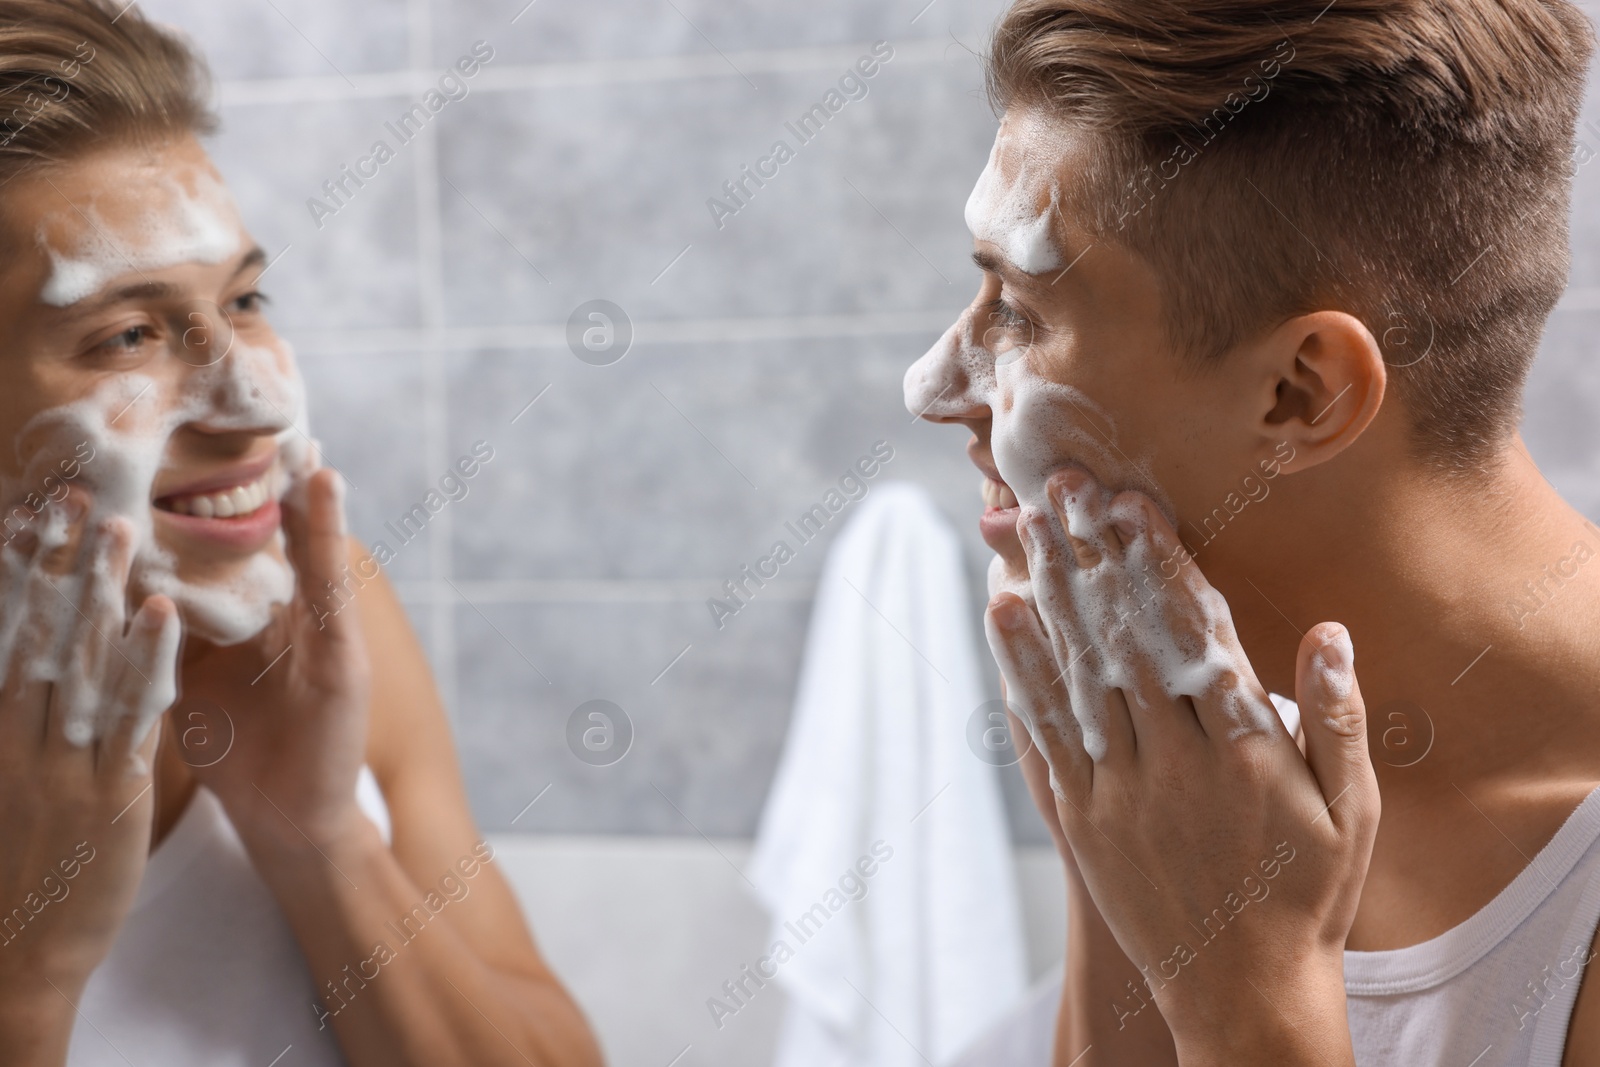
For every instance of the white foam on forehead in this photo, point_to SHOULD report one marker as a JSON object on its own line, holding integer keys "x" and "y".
{"x": 197, "y": 226}
{"x": 1017, "y": 210}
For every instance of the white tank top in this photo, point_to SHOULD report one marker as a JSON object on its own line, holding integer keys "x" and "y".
{"x": 206, "y": 972}
{"x": 1497, "y": 990}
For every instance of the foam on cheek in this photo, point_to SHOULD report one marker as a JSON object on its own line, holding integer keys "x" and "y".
{"x": 1160, "y": 625}
{"x": 1007, "y": 211}
{"x": 190, "y": 227}
{"x": 1041, "y": 426}
{"x": 128, "y": 420}
{"x": 1139, "y": 615}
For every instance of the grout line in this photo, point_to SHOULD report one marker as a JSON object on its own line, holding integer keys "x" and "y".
{"x": 588, "y": 590}
{"x": 435, "y": 413}
{"x": 672, "y": 331}
{"x": 583, "y": 73}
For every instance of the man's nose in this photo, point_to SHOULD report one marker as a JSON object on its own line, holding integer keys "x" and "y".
{"x": 949, "y": 383}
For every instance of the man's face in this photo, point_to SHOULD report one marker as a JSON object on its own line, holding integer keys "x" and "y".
{"x": 1062, "y": 359}
{"x": 138, "y": 367}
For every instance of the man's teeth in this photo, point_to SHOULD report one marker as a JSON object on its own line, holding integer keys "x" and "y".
{"x": 998, "y": 494}
{"x": 224, "y": 504}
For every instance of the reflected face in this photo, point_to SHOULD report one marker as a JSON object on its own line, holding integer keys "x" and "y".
{"x": 138, "y": 367}
{"x": 1062, "y": 359}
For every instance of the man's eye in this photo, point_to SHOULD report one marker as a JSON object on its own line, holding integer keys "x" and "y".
{"x": 1004, "y": 315}
{"x": 128, "y": 340}
{"x": 248, "y": 303}
{"x": 1007, "y": 329}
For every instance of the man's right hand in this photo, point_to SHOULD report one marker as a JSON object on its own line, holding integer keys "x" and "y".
{"x": 81, "y": 692}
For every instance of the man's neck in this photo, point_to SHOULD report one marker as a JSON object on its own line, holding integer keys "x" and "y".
{"x": 1476, "y": 603}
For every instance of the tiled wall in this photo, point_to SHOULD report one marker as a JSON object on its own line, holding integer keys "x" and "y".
{"x": 431, "y": 310}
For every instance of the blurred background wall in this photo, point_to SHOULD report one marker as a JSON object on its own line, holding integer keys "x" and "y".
{"x": 430, "y": 307}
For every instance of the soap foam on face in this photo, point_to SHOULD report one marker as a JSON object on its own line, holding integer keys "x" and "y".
{"x": 128, "y": 420}
{"x": 1016, "y": 201}
{"x": 1180, "y": 625}
{"x": 187, "y": 226}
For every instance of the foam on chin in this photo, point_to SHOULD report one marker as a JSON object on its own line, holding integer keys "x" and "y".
{"x": 189, "y": 227}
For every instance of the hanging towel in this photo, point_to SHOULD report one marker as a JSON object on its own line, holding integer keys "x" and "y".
{"x": 883, "y": 855}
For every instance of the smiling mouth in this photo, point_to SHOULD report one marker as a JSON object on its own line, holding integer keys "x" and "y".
{"x": 234, "y": 502}
{"x": 997, "y": 495}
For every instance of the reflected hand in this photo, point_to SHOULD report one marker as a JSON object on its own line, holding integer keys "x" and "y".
{"x": 82, "y": 689}
{"x": 295, "y": 695}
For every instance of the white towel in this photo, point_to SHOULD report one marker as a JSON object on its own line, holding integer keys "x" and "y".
{"x": 877, "y": 778}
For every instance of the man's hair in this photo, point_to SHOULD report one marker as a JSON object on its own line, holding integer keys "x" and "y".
{"x": 1406, "y": 161}
{"x": 78, "y": 74}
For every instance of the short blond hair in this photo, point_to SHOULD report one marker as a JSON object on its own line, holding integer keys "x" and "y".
{"x": 75, "y": 74}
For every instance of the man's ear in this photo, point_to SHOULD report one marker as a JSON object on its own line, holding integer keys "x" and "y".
{"x": 1325, "y": 379}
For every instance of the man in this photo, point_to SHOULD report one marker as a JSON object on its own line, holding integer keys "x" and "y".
{"x": 1261, "y": 285}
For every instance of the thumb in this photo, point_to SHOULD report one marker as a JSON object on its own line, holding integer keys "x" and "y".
{"x": 1334, "y": 719}
{"x": 314, "y": 529}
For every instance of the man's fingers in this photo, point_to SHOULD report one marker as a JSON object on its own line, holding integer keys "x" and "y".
{"x": 1080, "y": 503}
{"x": 94, "y": 626}
{"x": 1334, "y": 719}
{"x": 58, "y": 533}
{"x": 37, "y": 617}
{"x": 1028, "y": 668}
{"x": 1080, "y": 652}
{"x": 318, "y": 544}
{"x": 148, "y": 684}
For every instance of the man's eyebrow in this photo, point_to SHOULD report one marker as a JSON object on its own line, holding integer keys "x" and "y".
{"x": 136, "y": 291}
{"x": 153, "y": 290}
{"x": 1013, "y": 274}
{"x": 993, "y": 264}
{"x": 256, "y": 257}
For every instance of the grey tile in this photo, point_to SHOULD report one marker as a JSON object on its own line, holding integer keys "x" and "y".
{"x": 601, "y": 188}
{"x": 639, "y": 470}
{"x": 246, "y": 39}
{"x": 1026, "y": 825}
{"x": 367, "y": 415}
{"x": 420, "y": 614}
{"x": 1562, "y": 397}
{"x": 1585, "y": 215}
{"x": 546, "y": 32}
{"x": 359, "y": 269}
{"x": 706, "y": 734}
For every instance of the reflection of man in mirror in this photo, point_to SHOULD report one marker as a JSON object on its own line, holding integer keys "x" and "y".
{"x": 233, "y": 820}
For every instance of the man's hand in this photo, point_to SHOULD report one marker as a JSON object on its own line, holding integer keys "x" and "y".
{"x": 81, "y": 690}
{"x": 293, "y": 699}
{"x": 1228, "y": 866}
